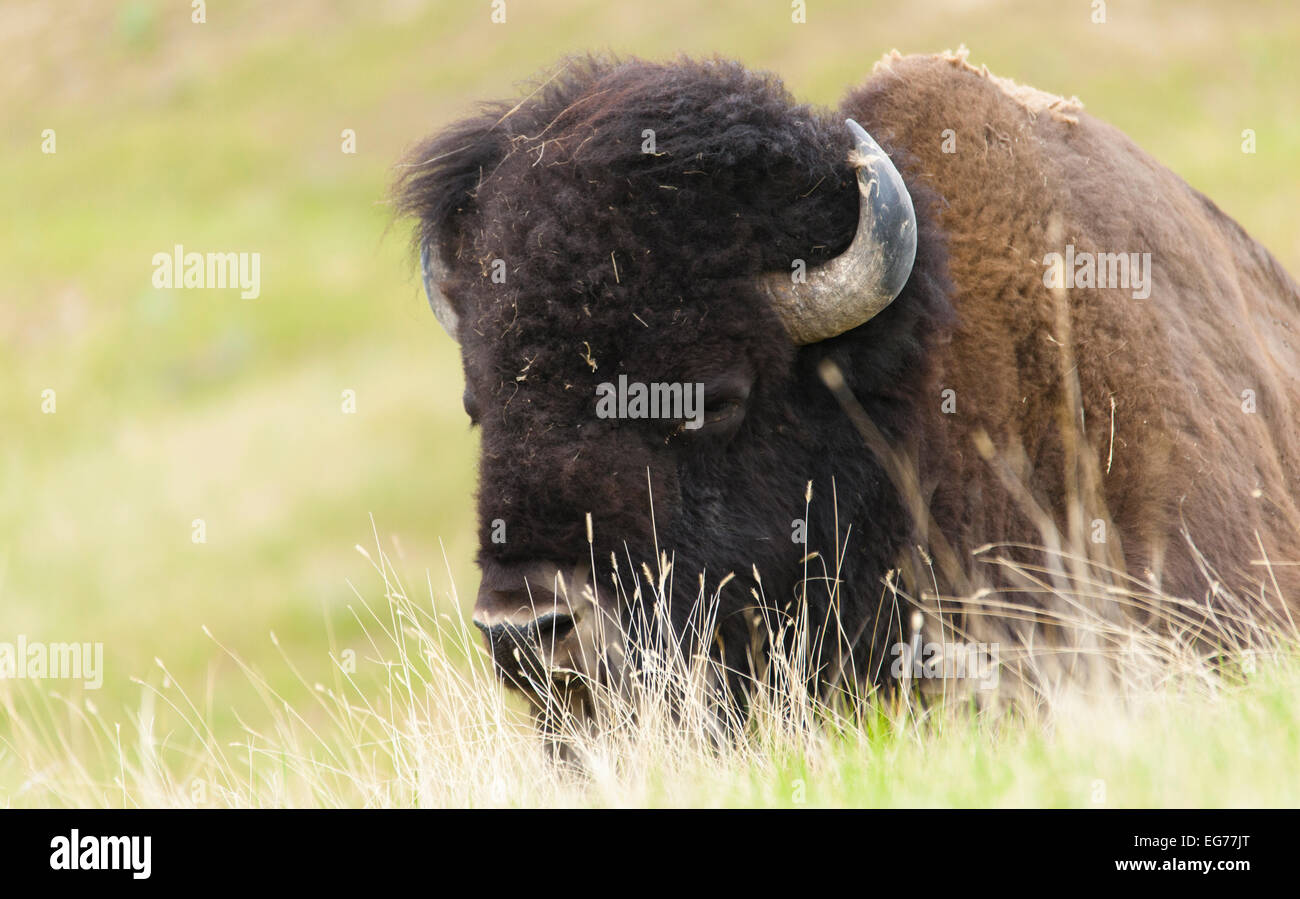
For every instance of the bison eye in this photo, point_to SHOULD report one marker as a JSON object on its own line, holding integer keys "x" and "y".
{"x": 718, "y": 411}
{"x": 719, "y": 420}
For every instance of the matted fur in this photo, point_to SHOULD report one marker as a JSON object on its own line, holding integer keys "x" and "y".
{"x": 1221, "y": 319}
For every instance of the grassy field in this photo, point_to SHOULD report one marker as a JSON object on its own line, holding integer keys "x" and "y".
{"x": 436, "y": 731}
{"x": 173, "y": 406}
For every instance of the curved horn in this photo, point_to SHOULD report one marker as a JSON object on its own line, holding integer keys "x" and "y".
{"x": 865, "y": 278}
{"x": 434, "y": 271}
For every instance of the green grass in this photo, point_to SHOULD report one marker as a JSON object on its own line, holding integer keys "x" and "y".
{"x": 176, "y": 405}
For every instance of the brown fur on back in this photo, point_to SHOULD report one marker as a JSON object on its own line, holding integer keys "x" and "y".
{"x": 1030, "y": 174}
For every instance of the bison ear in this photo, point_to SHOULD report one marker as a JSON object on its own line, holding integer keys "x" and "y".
{"x": 436, "y": 185}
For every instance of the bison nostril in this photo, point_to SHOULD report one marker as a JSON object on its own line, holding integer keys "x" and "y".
{"x": 543, "y": 631}
{"x": 551, "y": 628}
{"x": 527, "y": 619}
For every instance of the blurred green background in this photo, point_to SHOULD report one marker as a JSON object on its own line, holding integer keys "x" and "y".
{"x": 226, "y": 136}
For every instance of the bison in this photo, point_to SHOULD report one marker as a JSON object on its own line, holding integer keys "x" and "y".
{"x": 957, "y": 312}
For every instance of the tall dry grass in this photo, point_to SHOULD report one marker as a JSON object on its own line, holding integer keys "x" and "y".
{"x": 437, "y": 730}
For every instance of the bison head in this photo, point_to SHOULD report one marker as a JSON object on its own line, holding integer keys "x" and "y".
{"x": 688, "y": 234}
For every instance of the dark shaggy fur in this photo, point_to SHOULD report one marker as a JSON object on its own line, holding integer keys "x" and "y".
{"x": 622, "y": 262}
